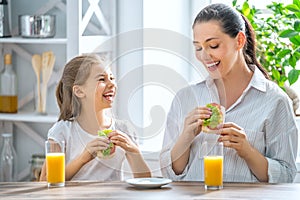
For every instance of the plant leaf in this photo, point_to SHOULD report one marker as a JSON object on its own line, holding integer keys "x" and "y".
{"x": 293, "y": 8}
{"x": 234, "y": 3}
{"x": 276, "y": 74}
{"x": 293, "y": 76}
{"x": 292, "y": 61}
{"x": 297, "y": 55}
{"x": 288, "y": 33}
{"x": 295, "y": 40}
{"x": 296, "y": 2}
{"x": 275, "y": 51}
{"x": 246, "y": 8}
{"x": 283, "y": 53}
{"x": 297, "y": 25}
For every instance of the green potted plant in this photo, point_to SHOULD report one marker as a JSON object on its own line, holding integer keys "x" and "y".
{"x": 277, "y": 31}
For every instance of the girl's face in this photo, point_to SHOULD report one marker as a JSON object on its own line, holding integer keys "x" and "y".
{"x": 216, "y": 50}
{"x": 100, "y": 87}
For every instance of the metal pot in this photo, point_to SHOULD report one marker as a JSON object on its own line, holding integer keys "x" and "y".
{"x": 37, "y": 26}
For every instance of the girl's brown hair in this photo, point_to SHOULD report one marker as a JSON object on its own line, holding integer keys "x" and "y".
{"x": 76, "y": 72}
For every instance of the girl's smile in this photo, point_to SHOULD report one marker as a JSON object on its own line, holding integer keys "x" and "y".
{"x": 109, "y": 95}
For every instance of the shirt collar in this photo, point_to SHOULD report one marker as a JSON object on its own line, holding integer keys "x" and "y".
{"x": 258, "y": 80}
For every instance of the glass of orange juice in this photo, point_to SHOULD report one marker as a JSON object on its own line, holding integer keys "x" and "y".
{"x": 213, "y": 165}
{"x": 55, "y": 163}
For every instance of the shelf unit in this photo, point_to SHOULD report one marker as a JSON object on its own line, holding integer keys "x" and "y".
{"x": 28, "y": 117}
{"x": 86, "y": 25}
{"x": 20, "y": 40}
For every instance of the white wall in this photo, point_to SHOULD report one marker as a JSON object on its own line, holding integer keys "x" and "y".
{"x": 129, "y": 59}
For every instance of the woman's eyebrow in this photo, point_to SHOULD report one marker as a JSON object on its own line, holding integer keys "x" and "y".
{"x": 207, "y": 40}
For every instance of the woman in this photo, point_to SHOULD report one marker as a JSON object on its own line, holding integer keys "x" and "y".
{"x": 84, "y": 94}
{"x": 259, "y": 134}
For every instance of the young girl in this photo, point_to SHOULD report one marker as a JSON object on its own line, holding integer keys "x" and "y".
{"x": 259, "y": 133}
{"x": 86, "y": 90}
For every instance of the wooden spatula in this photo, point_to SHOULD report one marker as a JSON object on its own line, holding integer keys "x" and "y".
{"x": 48, "y": 60}
{"x": 37, "y": 66}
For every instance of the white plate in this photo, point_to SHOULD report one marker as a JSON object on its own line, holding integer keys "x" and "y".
{"x": 148, "y": 182}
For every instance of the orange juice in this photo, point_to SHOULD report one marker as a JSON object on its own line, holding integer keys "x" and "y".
{"x": 55, "y": 167}
{"x": 213, "y": 170}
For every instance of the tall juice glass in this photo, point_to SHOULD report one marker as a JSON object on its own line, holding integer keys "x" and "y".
{"x": 55, "y": 163}
{"x": 213, "y": 165}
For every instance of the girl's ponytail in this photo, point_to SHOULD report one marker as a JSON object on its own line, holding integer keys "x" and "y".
{"x": 64, "y": 98}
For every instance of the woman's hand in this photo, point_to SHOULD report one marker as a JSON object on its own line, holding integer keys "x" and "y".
{"x": 234, "y": 137}
{"x": 122, "y": 140}
{"x": 194, "y": 120}
{"x": 180, "y": 153}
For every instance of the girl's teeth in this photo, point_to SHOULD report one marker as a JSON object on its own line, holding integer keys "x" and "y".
{"x": 108, "y": 97}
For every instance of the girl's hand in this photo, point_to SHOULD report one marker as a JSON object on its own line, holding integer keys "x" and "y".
{"x": 193, "y": 122}
{"x": 122, "y": 140}
{"x": 98, "y": 144}
{"x": 234, "y": 137}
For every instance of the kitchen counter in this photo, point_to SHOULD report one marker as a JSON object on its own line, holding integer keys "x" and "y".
{"x": 122, "y": 190}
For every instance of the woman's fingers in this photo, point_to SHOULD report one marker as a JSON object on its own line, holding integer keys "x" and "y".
{"x": 229, "y": 138}
{"x": 234, "y": 136}
{"x": 198, "y": 113}
{"x": 232, "y": 129}
{"x": 193, "y": 121}
{"x": 231, "y": 125}
{"x": 231, "y": 132}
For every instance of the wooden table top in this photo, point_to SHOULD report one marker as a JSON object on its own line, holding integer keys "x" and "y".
{"x": 122, "y": 190}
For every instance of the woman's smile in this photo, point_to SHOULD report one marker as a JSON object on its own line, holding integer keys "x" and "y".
{"x": 212, "y": 66}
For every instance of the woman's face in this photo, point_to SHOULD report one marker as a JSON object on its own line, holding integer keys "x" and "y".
{"x": 100, "y": 87}
{"x": 216, "y": 50}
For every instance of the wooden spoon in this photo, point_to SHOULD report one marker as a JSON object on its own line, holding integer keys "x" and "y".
{"x": 37, "y": 66}
{"x": 48, "y": 60}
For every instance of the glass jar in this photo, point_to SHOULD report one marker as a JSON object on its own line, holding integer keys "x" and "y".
{"x": 8, "y": 160}
{"x": 37, "y": 161}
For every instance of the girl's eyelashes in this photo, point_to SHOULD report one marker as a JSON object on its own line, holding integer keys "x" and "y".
{"x": 112, "y": 78}
{"x": 102, "y": 79}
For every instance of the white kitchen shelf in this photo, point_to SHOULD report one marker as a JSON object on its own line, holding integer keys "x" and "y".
{"x": 28, "y": 117}
{"x": 20, "y": 40}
